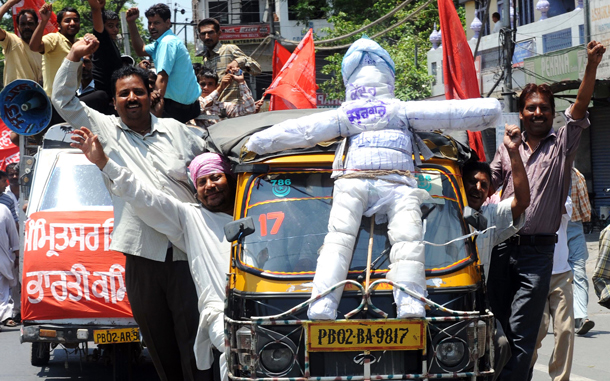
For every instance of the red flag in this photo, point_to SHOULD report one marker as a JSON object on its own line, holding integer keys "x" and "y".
{"x": 458, "y": 65}
{"x": 51, "y": 26}
{"x": 9, "y": 153}
{"x": 296, "y": 82}
{"x": 281, "y": 55}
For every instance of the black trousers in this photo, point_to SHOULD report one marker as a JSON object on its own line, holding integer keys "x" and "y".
{"x": 179, "y": 111}
{"x": 518, "y": 285}
{"x": 164, "y": 304}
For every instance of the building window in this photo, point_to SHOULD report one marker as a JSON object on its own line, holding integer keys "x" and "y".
{"x": 219, "y": 10}
{"x": 526, "y": 11}
{"x": 434, "y": 72}
{"x": 317, "y": 5}
{"x": 250, "y": 12}
{"x": 557, "y": 40}
{"x": 581, "y": 34}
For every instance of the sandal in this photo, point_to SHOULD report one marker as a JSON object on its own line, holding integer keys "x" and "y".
{"x": 10, "y": 323}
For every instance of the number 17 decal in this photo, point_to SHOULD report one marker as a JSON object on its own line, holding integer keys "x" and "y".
{"x": 277, "y": 216}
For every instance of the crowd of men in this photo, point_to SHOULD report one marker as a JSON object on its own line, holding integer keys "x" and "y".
{"x": 135, "y": 125}
{"x": 181, "y": 89}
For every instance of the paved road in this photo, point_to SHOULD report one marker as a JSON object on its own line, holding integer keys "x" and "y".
{"x": 15, "y": 363}
{"x": 591, "y": 360}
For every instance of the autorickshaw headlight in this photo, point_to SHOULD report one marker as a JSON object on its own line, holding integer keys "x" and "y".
{"x": 450, "y": 352}
{"x": 277, "y": 358}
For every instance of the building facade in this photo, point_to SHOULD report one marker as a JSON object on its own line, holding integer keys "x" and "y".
{"x": 549, "y": 48}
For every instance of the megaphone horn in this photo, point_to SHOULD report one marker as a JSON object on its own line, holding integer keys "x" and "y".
{"x": 25, "y": 107}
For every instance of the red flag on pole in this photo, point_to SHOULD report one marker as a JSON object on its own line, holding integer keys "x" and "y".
{"x": 281, "y": 55}
{"x": 51, "y": 26}
{"x": 296, "y": 85}
{"x": 460, "y": 76}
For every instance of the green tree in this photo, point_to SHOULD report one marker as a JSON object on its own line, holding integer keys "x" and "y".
{"x": 412, "y": 79}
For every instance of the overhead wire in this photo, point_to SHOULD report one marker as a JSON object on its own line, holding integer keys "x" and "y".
{"x": 365, "y": 27}
{"x": 394, "y": 26}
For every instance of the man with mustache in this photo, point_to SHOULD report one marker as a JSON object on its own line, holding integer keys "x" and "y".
{"x": 520, "y": 274}
{"x": 224, "y": 58}
{"x": 176, "y": 79}
{"x": 159, "y": 285}
{"x": 20, "y": 62}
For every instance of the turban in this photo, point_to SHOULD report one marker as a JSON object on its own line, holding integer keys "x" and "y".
{"x": 207, "y": 164}
{"x": 366, "y": 52}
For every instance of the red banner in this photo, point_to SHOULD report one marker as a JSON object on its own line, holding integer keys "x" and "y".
{"x": 281, "y": 55}
{"x": 69, "y": 270}
{"x": 459, "y": 73}
{"x": 9, "y": 153}
{"x": 51, "y": 26}
{"x": 296, "y": 82}
{"x": 244, "y": 32}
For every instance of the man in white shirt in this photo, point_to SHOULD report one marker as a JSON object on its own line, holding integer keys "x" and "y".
{"x": 196, "y": 228}
{"x": 9, "y": 251}
{"x": 497, "y": 23}
{"x": 157, "y": 150}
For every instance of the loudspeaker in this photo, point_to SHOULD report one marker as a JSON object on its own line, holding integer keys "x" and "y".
{"x": 25, "y": 107}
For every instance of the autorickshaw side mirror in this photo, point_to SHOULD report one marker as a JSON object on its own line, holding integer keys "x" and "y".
{"x": 475, "y": 219}
{"x": 237, "y": 230}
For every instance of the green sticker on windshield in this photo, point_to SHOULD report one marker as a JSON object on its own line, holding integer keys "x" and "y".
{"x": 433, "y": 184}
{"x": 281, "y": 188}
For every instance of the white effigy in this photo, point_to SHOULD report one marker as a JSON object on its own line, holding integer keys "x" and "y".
{"x": 380, "y": 135}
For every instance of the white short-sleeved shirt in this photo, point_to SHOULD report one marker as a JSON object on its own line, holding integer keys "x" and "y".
{"x": 501, "y": 216}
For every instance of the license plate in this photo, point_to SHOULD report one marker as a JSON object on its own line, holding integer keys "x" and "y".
{"x": 116, "y": 336}
{"x": 361, "y": 335}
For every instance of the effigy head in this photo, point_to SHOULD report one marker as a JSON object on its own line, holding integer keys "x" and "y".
{"x": 368, "y": 71}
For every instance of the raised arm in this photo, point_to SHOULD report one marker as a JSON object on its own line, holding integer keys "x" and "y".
{"x": 245, "y": 103}
{"x": 137, "y": 42}
{"x": 303, "y": 132}
{"x": 97, "y": 7}
{"x": 157, "y": 209}
{"x": 66, "y": 82}
{"x": 521, "y": 200}
{"x": 595, "y": 52}
{"x": 3, "y": 9}
{"x": 36, "y": 44}
{"x": 467, "y": 114}
{"x": 244, "y": 62}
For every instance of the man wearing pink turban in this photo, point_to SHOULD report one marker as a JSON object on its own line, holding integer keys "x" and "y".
{"x": 197, "y": 229}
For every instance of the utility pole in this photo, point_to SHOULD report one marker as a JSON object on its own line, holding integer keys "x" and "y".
{"x": 176, "y": 10}
{"x": 586, "y": 10}
{"x": 507, "y": 31}
{"x": 270, "y": 16}
{"x": 125, "y": 34}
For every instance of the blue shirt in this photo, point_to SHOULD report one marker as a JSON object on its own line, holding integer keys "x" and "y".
{"x": 170, "y": 55}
